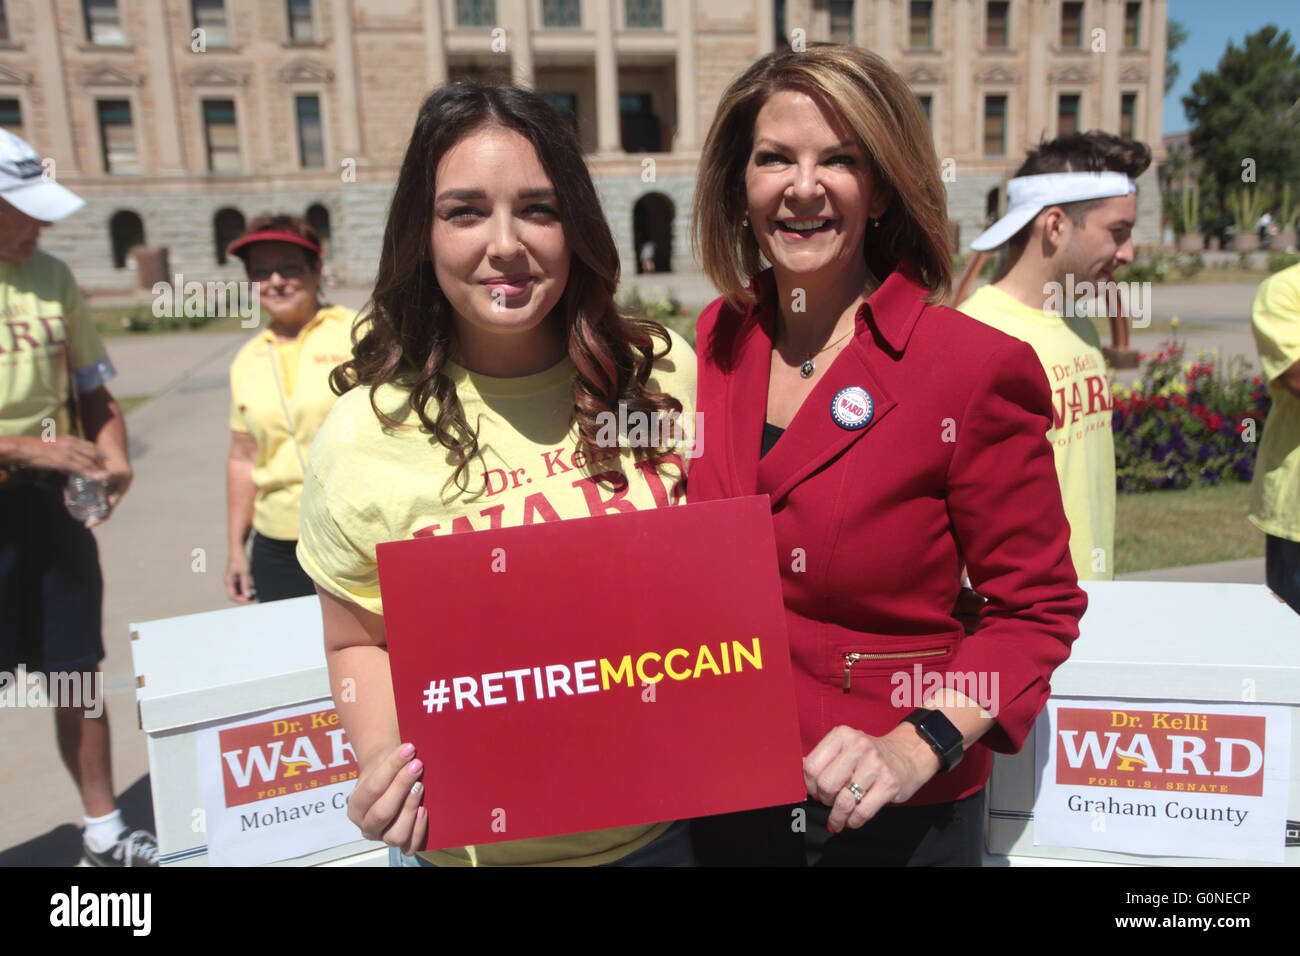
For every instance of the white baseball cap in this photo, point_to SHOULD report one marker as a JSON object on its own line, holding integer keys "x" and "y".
{"x": 1027, "y": 196}
{"x": 25, "y": 185}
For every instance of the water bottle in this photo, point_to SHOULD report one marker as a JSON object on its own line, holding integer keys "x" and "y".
{"x": 87, "y": 498}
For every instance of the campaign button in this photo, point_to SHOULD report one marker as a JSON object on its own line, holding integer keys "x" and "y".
{"x": 852, "y": 408}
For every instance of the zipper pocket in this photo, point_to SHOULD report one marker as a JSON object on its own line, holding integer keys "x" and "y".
{"x": 853, "y": 657}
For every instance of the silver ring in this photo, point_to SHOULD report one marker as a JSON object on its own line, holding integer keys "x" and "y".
{"x": 858, "y": 792}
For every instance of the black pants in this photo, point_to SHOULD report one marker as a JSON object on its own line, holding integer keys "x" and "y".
{"x": 51, "y": 591}
{"x": 945, "y": 834}
{"x": 276, "y": 572}
{"x": 1282, "y": 569}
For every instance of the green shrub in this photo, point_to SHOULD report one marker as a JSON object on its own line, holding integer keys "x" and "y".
{"x": 1277, "y": 261}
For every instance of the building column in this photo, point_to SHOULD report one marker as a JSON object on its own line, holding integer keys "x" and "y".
{"x": 1036, "y": 84}
{"x": 435, "y": 57}
{"x": 346, "y": 62}
{"x": 609, "y": 139}
{"x": 687, "y": 104}
{"x": 519, "y": 42}
{"x": 886, "y": 43}
{"x": 164, "y": 85}
{"x": 1113, "y": 23}
{"x": 967, "y": 116}
{"x": 1155, "y": 94}
{"x": 766, "y": 27}
{"x": 56, "y": 107}
{"x": 863, "y": 27}
{"x": 799, "y": 16}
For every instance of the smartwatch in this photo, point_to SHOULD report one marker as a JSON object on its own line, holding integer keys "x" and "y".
{"x": 938, "y": 731}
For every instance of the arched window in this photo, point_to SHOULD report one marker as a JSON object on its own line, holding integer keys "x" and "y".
{"x": 992, "y": 202}
{"x": 126, "y": 230}
{"x": 652, "y": 233}
{"x": 318, "y": 217}
{"x": 227, "y": 226}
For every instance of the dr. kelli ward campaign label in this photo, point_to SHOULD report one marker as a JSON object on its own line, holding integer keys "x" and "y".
{"x": 1166, "y": 779}
{"x": 852, "y": 408}
{"x": 275, "y": 786}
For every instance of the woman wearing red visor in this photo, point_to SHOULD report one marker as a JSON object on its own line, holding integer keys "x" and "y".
{"x": 280, "y": 394}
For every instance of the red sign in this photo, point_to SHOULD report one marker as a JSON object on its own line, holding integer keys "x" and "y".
{"x": 282, "y": 757}
{"x": 594, "y": 673}
{"x": 1160, "y": 751}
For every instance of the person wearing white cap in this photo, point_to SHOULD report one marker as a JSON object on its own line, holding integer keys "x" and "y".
{"x": 53, "y": 370}
{"x": 1071, "y": 208}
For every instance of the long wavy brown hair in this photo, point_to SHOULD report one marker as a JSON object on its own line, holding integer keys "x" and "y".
{"x": 877, "y": 104}
{"x": 409, "y": 326}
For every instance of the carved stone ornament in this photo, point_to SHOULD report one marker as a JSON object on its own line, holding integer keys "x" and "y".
{"x": 996, "y": 74}
{"x": 11, "y": 77}
{"x": 105, "y": 75}
{"x": 1073, "y": 75}
{"x": 921, "y": 75}
{"x": 304, "y": 71}
{"x": 214, "y": 76}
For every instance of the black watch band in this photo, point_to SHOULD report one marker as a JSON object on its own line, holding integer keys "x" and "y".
{"x": 938, "y": 731}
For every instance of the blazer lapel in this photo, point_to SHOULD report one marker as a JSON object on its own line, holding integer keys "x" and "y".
{"x": 813, "y": 437}
{"x": 883, "y": 325}
{"x": 747, "y": 406}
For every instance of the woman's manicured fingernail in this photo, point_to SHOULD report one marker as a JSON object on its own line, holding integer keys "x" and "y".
{"x": 419, "y": 814}
{"x": 415, "y": 766}
{"x": 829, "y": 828}
{"x": 417, "y": 788}
{"x": 407, "y": 750}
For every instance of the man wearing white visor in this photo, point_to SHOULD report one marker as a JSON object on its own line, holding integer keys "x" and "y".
{"x": 1071, "y": 208}
{"x": 53, "y": 370}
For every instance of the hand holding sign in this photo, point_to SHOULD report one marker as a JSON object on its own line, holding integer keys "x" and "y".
{"x": 386, "y": 801}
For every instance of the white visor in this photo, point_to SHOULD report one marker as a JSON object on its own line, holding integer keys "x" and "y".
{"x": 1027, "y": 196}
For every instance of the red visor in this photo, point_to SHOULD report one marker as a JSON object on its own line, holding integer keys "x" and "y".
{"x": 270, "y": 235}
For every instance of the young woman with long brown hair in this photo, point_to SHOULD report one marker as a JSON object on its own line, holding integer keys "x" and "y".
{"x": 492, "y": 345}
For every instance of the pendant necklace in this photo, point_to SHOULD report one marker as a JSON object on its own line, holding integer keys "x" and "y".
{"x": 807, "y": 368}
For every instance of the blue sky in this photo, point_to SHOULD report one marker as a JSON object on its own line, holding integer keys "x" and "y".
{"x": 1210, "y": 24}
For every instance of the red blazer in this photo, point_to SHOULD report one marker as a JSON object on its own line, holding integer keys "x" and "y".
{"x": 873, "y": 525}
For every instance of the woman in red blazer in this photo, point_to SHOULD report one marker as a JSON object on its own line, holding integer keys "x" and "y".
{"x": 899, "y": 442}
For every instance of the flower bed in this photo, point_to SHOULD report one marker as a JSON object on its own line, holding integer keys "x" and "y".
{"x": 1184, "y": 424}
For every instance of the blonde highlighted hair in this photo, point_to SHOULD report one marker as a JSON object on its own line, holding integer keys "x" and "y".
{"x": 887, "y": 118}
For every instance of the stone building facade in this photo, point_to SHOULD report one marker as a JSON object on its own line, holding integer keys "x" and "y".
{"x": 180, "y": 120}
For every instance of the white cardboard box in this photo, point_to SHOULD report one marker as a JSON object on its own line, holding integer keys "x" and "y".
{"x": 200, "y": 669}
{"x": 1157, "y": 641}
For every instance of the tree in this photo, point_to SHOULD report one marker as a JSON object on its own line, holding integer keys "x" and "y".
{"x": 1245, "y": 118}
{"x": 1175, "y": 36}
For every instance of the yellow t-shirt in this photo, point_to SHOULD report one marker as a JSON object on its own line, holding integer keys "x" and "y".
{"x": 303, "y": 367}
{"x": 366, "y": 486}
{"x": 43, "y": 330}
{"x": 1081, "y": 437}
{"x": 1275, "y": 491}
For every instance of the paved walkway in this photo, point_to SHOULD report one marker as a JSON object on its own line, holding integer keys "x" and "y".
{"x": 1246, "y": 571}
{"x": 164, "y": 551}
